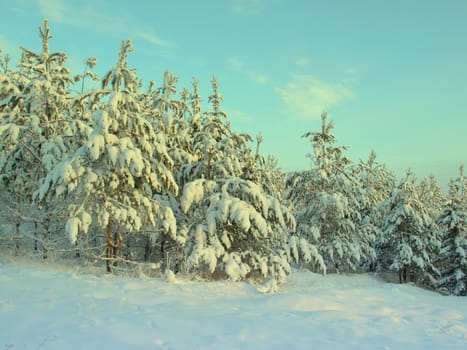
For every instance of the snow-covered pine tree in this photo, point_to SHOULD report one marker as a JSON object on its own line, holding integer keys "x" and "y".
{"x": 218, "y": 152}
{"x": 89, "y": 64}
{"x": 233, "y": 227}
{"x": 235, "y": 230}
{"x": 9, "y": 89}
{"x": 114, "y": 177}
{"x": 375, "y": 184}
{"x": 409, "y": 240}
{"x": 170, "y": 117}
{"x": 4, "y": 63}
{"x": 298, "y": 188}
{"x": 173, "y": 117}
{"x": 35, "y": 132}
{"x": 327, "y": 204}
{"x": 84, "y": 104}
{"x": 431, "y": 194}
{"x": 195, "y": 101}
{"x": 266, "y": 171}
{"x": 453, "y": 226}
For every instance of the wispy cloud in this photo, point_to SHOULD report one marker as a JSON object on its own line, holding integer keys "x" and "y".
{"x": 55, "y": 10}
{"x": 238, "y": 65}
{"x": 61, "y": 11}
{"x": 351, "y": 71}
{"x": 261, "y": 79}
{"x": 351, "y": 75}
{"x": 248, "y": 7}
{"x": 302, "y": 61}
{"x": 237, "y": 115}
{"x": 86, "y": 16}
{"x": 151, "y": 38}
{"x": 235, "y": 63}
{"x": 306, "y": 97}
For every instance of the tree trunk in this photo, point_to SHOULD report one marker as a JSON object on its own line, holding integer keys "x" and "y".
{"x": 18, "y": 223}
{"x": 114, "y": 243}
{"x": 17, "y": 238}
{"x": 403, "y": 275}
{"x": 45, "y": 249}
{"x": 118, "y": 240}
{"x": 147, "y": 249}
{"x": 108, "y": 250}
{"x": 35, "y": 236}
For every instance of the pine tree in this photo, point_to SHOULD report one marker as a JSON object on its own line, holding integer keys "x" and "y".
{"x": 375, "y": 184}
{"x": 89, "y": 64}
{"x": 376, "y": 181}
{"x": 431, "y": 194}
{"x": 236, "y": 229}
{"x": 453, "y": 226}
{"x": 5, "y": 63}
{"x": 35, "y": 132}
{"x": 119, "y": 169}
{"x": 218, "y": 152}
{"x": 266, "y": 170}
{"x": 233, "y": 227}
{"x": 171, "y": 117}
{"x": 327, "y": 204}
{"x": 409, "y": 241}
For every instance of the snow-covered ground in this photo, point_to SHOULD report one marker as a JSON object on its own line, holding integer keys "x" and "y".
{"x": 48, "y": 307}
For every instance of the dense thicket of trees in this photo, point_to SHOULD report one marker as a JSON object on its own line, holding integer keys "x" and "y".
{"x": 409, "y": 240}
{"x": 130, "y": 175}
{"x": 330, "y": 207}
{"x": 453, "y": 228}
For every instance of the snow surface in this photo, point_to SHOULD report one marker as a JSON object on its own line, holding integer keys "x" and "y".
{"x": 52, "y": 307}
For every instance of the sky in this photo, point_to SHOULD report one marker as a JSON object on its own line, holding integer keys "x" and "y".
{"x": 392, "y": 75}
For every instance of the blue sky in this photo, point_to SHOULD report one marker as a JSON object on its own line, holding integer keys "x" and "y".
{"x": 391, "y": 74}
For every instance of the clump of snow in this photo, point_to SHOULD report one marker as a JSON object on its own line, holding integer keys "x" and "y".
{"x": 234, "y": 267}
{"x": 169, "y": 276}
{"x": 269, "y": 287}
{"x": 194, "y": 192}
{"x": 169, "y": 222}
{"x": 72, "y": 229}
